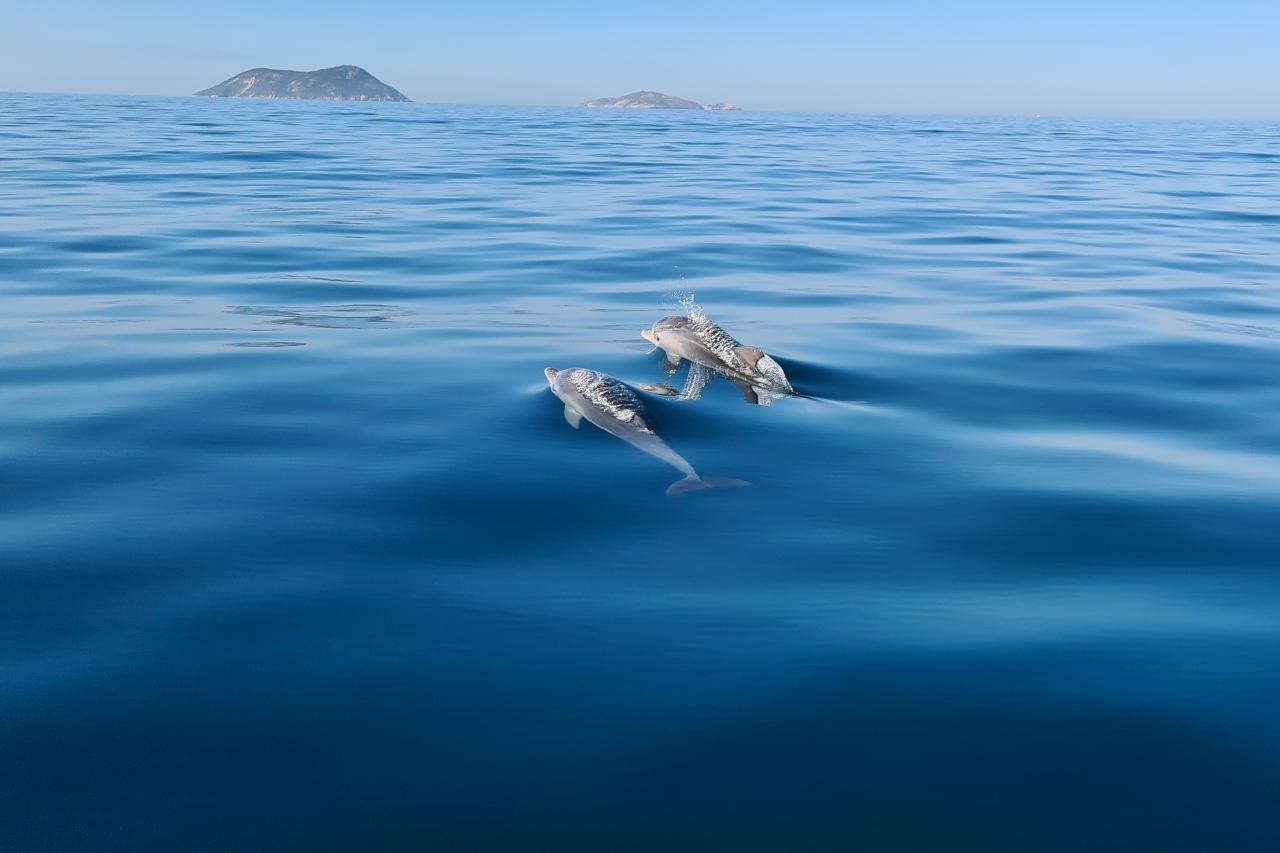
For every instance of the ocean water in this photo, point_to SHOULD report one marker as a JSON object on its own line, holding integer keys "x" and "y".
{"x": 298, "y": 553}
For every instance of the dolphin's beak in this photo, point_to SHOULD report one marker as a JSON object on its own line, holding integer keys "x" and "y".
{"x": 550, "y": 373}
{"x": 647, "y": 334}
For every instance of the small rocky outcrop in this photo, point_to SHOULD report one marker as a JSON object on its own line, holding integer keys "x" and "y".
{"x": 643, "y": 101}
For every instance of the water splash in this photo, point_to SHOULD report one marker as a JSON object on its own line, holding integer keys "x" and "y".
{"x": 766, "y": 397}
{"x": 696, "y": 381}
{"x": 686, "y": 299}
{"x": 689, "y": 302}
{"x": 698, "y": 377}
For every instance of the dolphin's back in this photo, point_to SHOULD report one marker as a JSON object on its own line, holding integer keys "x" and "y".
{"x": 620, "y": 407}
{"x": 717, "y": 340}
{"x": 750, "y": 362}
{"x": 615, "y": 408}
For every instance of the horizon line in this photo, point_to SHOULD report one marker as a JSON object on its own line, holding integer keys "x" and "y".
{"x": 1027, "y": 116}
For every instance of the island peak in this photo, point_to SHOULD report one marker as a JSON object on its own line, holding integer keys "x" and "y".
{"x": 646, "y": 100}
{"x": 643, "y": 100}
{"x": 339, "y": 83}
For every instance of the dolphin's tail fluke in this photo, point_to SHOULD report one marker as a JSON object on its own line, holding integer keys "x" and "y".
{"x": 694, "y": 483}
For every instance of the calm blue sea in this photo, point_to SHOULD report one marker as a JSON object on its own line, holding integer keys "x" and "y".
{"x": 298, "y": 553}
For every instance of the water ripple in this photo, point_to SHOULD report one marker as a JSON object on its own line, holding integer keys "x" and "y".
{"x": 289, "y": 517}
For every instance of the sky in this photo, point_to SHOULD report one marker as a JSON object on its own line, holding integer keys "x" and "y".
{"x": 1117, "y": 59}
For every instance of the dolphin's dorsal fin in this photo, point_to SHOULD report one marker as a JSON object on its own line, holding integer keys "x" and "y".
{"x": 750, "y": 355}
{"x": 572, "y": 417}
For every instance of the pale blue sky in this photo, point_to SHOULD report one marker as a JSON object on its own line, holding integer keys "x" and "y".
{"x": 994, "y": 57}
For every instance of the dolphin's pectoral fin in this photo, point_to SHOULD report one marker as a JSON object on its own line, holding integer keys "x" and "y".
{"x": 572, "y": 417}
{"x": 751, "y": 355}
{"x": 748, "y": 393}
{"x": 670, "y": 364}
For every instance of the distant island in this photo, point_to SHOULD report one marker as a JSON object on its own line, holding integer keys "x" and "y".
{"x": 653, "y": 101}
{"x": 340, "y": 83}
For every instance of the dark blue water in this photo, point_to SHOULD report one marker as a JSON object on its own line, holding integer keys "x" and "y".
{"x": 297, "y": 551}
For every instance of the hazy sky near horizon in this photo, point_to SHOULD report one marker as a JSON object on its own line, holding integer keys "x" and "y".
{"x": 1125, "y": 58}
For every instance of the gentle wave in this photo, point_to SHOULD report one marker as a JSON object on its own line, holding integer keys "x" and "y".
{"x": 290, "y": 519}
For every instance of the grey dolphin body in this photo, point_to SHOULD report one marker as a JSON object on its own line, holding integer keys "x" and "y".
{"x": 703, "y": 342}
{"x": 612, "y": 406}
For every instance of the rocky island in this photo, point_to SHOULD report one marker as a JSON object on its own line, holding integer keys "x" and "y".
{"x": 652, "y": 101}
{"x": 340, "y": 83}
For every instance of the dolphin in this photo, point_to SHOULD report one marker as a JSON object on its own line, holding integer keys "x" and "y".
{"x": 703, "y": 342}
{"x": 611, "y": 405}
